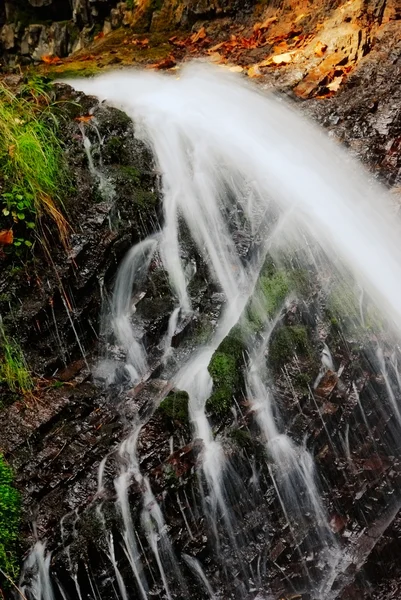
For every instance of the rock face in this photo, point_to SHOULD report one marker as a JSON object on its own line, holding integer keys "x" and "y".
{"x": 57, "y": 445}
{"x": 32, "y": 29}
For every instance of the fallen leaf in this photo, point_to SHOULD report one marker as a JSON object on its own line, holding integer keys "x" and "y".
{"x": 199, "y": 35}
{"x": 11, "y": 150}
{"x": 236, "y": 69}
{"x": 265, "y": 24}
{"x": 254, "y": 71}
{"x": 216, "y": 47}
{"x": 84, "y": 118}
{"x": 334, "y": 85}
{"x": 51, "y": 60}
{"x": 99, "y": 36}
{"x": 6, "y": 237}
{"x": 282, "y": 59}
{"x": 320, "y": 49}
{"x": 166, "y": 63}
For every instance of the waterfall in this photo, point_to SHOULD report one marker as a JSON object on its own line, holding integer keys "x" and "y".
{"x": 234, "y": 160}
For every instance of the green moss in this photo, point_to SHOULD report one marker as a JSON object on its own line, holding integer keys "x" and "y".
{"x": 131, "y": 173}
{"x": 9, "y": 523}
{"x": 343, "y": 311}
{"x": 175, "y": 407}
{"x": 223, "y": 370}
{"x": 145, "y": 200}
{"x": 286, "y": 341}
{"x": 242, "y": 438}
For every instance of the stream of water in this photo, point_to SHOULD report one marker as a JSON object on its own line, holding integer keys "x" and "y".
{"x": 235, "y": 160}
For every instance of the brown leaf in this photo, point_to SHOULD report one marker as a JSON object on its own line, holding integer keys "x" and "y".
{"x": 199, "y": 35}
{"x": 51, "y": 60}
{"x": 11, "y": 150}
{"x": 99, "y": 36}
{"x": 6, "y": 237}
{"x": 265, "y": 24}
{"x": 166, "y": 63}
{"x": 84, "y": 118}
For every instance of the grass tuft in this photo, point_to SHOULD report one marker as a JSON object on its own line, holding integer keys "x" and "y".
{"x": 31, "y": 160}
{"x": 9, "y": 524}
{"x": 14, "y": 372}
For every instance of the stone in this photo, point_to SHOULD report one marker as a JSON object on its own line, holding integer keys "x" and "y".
{"x": 7, "y": 36}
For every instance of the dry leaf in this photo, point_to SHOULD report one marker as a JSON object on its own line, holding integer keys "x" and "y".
{"x": 265, "y": 24}
{"x": 334, "y": 85}
{"x": 166, "y": 63}
{"x": 320, "y": 49}
{"x": 99, "y": 36}
{"x": 84, "y": 118}
{"x": 11, "y": 150}
{"x": 282, "y": 59}
{"x": 199, "y": 35}
{"x": 51, "y": 60}
{"x": 254, "y": 71}
{"x": 6, "y": 237}
{"x": 236, "y": 69}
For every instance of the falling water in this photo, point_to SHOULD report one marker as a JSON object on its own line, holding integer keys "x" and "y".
{"x": 234, "y": 161}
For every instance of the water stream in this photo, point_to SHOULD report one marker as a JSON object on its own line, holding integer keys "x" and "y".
{"x": 237, "y": 162}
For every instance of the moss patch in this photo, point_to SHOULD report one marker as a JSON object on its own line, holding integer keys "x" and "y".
{"x": 175, "y": 407}
{"x": 9, "y": 523}
{"x": 286, "y": 341}
{"x": 225, "y": 369}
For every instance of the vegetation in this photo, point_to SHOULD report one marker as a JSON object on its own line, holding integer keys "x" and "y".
{"x": 225, "y": 369}
{"x": 31, "y": 163}
{"x": 286, "y": 341}
{"x": 14, "y": 373}
{"x": 9, "y": 522}
{"x": 175, "y": 407}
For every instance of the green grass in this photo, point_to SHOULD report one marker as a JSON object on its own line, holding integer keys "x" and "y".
{"x": 14, "y": 372}
{"x": 32, "y": 169}
{"x": 9, "y": 524}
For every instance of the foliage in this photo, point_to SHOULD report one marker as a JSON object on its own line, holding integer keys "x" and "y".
{"x": 9, "y": 522}
{"x": 14, "y": 371}
{"x": 31, "y": 162}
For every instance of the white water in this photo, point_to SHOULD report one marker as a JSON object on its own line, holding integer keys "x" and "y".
{"x": 228, "y": 154}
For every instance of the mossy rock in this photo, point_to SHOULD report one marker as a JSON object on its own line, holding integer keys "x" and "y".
{"x": 286, "y": 341}
{"x": 175, "y": 407}
{"x": 225, "y": 369}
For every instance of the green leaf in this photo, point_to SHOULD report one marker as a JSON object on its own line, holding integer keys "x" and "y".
{"x": 30, "y": 224}
{"x": 5, "y": 212}
{"x": 28, "y": 243}
{"x": 21, "y": 216}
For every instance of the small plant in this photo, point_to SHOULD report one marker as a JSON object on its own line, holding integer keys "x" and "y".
{"x": 32, "y": 174}
{"x": 9, "y": 524}
{"x": 19, "y": 212}
{"x": 14, "y": 372}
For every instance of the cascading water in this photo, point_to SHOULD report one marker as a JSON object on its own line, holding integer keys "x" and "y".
{"x": 253, "y": 185}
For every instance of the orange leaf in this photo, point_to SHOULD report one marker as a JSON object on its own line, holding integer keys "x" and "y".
{"x": 99, "y": 36}
{"x": 51, "y": 60}
{"x": 166, "y": 63}
{"x": 6, "y": 237}
{"x": 84, "y": 118}
{"x": 199, "y": 35}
